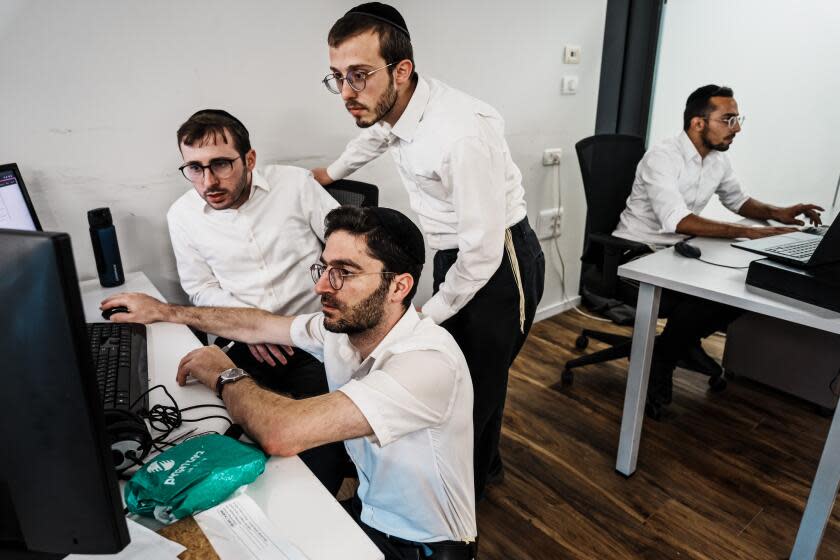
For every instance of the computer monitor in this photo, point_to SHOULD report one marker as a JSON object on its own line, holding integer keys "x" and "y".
{"x": 58, "y": 487}
{"x": 16, "y": 210}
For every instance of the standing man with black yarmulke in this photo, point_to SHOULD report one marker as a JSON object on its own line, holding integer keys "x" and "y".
{"x": 454, "y": 161}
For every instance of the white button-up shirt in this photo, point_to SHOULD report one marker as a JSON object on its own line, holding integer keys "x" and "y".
{"x": 259, "y": 254}
{"x": 456, "y": 165}
{"x": 414, "y": 389}
{"x": 673, "y": 181}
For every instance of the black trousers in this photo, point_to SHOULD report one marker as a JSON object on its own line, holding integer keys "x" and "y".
{"x": 690, "y": 319}
{"x": 400, "y": 549}
{"x": 302, "y": 377}
{"x": 488, "y": 331}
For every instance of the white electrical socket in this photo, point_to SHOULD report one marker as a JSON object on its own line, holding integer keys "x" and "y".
{"x": 551, "y": 156}
{"x": 571, "y": 54}
{"x": 550, "y": 223}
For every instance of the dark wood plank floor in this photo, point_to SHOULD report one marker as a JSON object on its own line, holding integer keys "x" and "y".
{"x": 722, "y": 476}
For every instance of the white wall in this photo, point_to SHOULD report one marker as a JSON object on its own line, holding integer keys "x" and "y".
{"x": 782, "y": 58}
{"x": 93, "y": 92}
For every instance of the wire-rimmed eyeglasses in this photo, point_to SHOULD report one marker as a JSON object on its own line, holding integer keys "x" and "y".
{"x": 222, "y": 168}
{"x": 731, "y": 122}
{"x": 336, "y": 276}
{"x": 356, "y": 79}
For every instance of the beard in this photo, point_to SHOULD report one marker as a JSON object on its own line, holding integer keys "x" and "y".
{"x": 361, "y": 317}
{"x": 237, "y": 193}
{"x": 722, "y": 147}
{"x": 384, "y": 105}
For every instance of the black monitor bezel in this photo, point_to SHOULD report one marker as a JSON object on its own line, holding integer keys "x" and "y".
{"x": 14, "y": 168}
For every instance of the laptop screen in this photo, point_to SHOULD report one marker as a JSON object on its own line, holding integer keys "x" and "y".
{"x": 16, "y": 210}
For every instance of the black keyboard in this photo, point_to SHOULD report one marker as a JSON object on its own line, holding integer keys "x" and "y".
{"x": 797, "y": 249}
{"x": 119, "y": 359}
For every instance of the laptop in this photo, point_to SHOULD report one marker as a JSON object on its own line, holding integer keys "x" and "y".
{"x": 16, "y": 210}
{"x": 800, "y": 249}
{"x": 118, "y": 349}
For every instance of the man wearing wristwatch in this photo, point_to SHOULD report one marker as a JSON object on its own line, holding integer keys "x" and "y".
{"x": 400, "y": 395}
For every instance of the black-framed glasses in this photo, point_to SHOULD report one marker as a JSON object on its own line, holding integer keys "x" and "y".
{"x": 336, "y": 276}
{"x": 356, "y": 79}
{"x": 731, "y": 122}
{"x": 222, "y": 168}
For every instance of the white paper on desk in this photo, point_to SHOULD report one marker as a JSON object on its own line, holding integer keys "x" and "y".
{"x": 145, "y": 544}
{"x": 238, "y": 529}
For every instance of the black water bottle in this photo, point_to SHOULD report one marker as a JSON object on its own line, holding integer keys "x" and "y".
{"x": 106, "y": 250}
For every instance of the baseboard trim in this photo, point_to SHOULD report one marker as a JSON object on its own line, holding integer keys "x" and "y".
{"x": 556, "y": 308}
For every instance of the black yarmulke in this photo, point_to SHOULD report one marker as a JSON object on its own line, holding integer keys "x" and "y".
{"x": 382, "y": 12}
{"x": 402, "y": 230}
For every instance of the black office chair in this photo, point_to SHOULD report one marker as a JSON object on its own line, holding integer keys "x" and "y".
{"x": 608, "y": 166}
{"x": 353, "y": 193}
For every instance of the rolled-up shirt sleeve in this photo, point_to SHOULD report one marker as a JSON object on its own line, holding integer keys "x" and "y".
{"x": 307, "y": 333}
{"x": 473, "y": 171}
{"x": 370, "y": 144}
{"x": 408, "y": 392}
{"x": 659, "y": 174}
{"x": 729, "y": 191}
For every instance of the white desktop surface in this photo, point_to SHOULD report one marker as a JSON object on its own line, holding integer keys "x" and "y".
{"x": 667, "y": 269}
{"x": 289, "y": 494}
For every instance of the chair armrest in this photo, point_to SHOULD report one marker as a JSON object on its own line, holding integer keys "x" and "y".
{"x": 617, "y": 251}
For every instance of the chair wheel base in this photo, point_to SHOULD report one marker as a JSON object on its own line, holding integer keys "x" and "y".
{"x": 567, "y": 377}
{"x": 582, "y": 342}
{"x": 653, "y": 411}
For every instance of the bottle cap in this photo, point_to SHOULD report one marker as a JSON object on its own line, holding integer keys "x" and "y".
{"x": 100, "y": 217}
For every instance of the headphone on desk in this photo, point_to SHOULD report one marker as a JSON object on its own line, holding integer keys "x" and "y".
{"x": 129, "y": 437}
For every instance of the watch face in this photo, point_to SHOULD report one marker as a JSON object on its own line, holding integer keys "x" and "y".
{"x": 233, "y": 374}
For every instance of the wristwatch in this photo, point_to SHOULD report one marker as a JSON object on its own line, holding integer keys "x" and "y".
{"x": 231, "y": 375}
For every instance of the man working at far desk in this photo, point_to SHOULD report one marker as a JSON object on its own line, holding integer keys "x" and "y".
{"x": 400, "y": 391}
{"x": 674, "y": 182}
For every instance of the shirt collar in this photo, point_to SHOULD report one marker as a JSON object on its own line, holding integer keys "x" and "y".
{"x": 687, "y": 147}
{"x": 406, "y": 127}
{"x": 402, "y": 329}
{"x": 257, "y": 182}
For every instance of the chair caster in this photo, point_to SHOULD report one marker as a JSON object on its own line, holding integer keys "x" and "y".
{"x": 582, "y": 342}
{"x": 717, "y": 384}
{"x": 729, "y": 374}
{"x": 567, "y": 377}
{"x": 653, "y": 411}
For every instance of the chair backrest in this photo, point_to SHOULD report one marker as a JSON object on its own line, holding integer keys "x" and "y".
{"x": 608, "y": 166}
{"x": 354, "y": 193}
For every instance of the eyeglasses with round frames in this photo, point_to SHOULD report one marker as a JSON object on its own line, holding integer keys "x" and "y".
{"x": 731, "y": 122}
{"x": 336, "y": 276}
{"x": 356, "y": 79}
{"x": 222, "y": 168}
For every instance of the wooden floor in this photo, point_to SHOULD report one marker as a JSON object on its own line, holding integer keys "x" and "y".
{"x": 722, "y": 476}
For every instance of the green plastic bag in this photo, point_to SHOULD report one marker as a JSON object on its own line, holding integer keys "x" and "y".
{"x": 192, "y": 476}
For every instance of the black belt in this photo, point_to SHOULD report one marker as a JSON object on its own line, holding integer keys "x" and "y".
{"x": 441, "y": 550}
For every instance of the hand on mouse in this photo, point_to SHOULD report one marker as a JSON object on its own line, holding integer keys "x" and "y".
{"x": 141, "y": 308}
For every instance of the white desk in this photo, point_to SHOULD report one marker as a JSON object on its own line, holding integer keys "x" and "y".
{"x": 289, "y": 494}
{"x": 666, "y": 269}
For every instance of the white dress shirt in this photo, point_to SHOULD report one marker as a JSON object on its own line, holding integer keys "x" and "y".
{"x": 456, "y": 165}
{"x": 414, "y": 389}
{"x": 259, "y": 254}
{"x": 673, "y": 181}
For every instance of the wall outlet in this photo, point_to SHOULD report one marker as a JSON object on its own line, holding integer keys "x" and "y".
{"x": 551, "y": 156}
{"x": 571, "y": 54}
{"x": 569, "y": 86}
{"x": 550, "y": 223}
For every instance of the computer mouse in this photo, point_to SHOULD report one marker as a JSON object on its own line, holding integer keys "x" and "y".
{"x": 106, "y": 313}
{"x": 686, "y": 250}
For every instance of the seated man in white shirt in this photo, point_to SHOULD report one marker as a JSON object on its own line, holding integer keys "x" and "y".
{"x": 400, "y": 391}
{"x": 674, "y": 181}
{"x": 240, "y": 236}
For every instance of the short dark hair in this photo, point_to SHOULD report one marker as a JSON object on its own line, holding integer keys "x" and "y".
{"x": 389, "y": 235}
{"x": 699, "y": 103}
{"x": 211, "y": 124}
{"x": 394, "y": 45}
